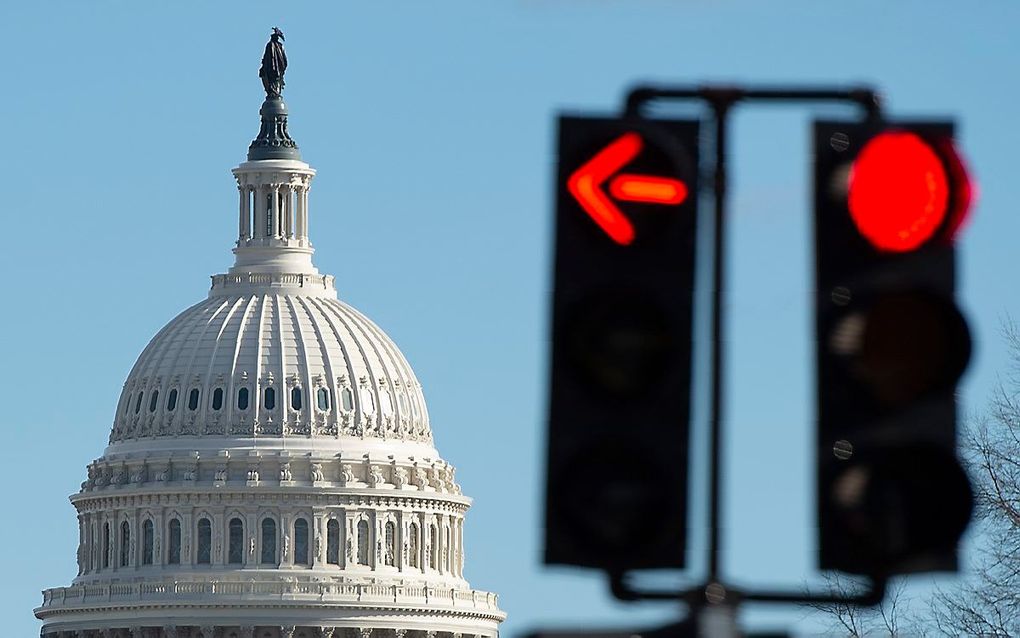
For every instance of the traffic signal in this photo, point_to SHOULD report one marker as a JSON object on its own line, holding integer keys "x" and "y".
{"x": 891, "y": 346}
{"x": 616, "y": 481}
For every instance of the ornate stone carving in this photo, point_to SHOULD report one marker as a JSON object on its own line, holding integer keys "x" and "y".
{"x": 287, "y": 631}
{"x": 140, "y": 475}
{"x": 164, "y": 474}
{"x": 346, "y": 474}
{"x": 315, "y": 473}
{"x": 375, "y": 476}
{"x": 421, "y": 478}
{"x": 285, "y": 473}
{"x": 207, "y": 631}
{"x": 400, "y": 478}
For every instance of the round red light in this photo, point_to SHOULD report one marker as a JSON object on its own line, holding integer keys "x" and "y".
{"x": 898, "y": 191}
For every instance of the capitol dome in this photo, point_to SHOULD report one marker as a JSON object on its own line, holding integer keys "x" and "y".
{"x": 271, "y": 471}
{"x": 271, "y": 365}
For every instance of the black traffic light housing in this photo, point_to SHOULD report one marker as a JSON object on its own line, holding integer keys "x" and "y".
{"x": 619, "y": 407}
{"x": 891, "y": 346}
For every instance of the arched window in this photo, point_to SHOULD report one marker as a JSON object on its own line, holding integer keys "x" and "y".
{"x": 217, "y": 399}
{"x": 153, "y": 400}
{"x": 300, "y": 542}
{"x": 390, "y": 550}
{"x": 333, "y": 542}
{"x": 269, "y": 399}
{"x": 193, "y": 399}
{"x": 322, "y": 399}
{"x": 242, "y": 399}
{"x": 363, "y": 542}
{"x": 295, "y": 398}
{"x": 173, "y": 549}
{"x": 433, "y": 550}
{"x": 235, "y": 542}
{"x": 106, "y": 545}
{"x": 171, "y": 401}
{"x": 204, "y": 542}
{"x": 147, "y": 539}
{"x": 138, "y": 402}
{"x": 412, "y": 545}
{"x": 347, "y": 399}
{"x": 125, "y": 543}
{"x": 268, "y": 542}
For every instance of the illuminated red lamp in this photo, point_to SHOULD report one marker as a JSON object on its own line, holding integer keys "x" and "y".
{"x": 903, "y": 191}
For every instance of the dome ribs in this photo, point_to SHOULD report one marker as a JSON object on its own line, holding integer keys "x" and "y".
{"x": 327, "y": 360}
{"x": 238, "y": 340}
{"x": 361, "y": 416}
{"x": 304, "y": 365}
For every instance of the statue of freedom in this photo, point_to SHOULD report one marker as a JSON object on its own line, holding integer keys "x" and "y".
{"x": 274, "y": 65}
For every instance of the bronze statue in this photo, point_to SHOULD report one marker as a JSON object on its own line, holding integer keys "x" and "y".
{"x": 274, "y": 65}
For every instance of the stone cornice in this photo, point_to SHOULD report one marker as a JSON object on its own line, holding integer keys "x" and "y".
{"x": 314, "y": 596}
{"x": 309, "y": 497}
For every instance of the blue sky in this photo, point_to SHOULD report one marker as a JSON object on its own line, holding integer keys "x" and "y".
{"x": 431, "y": 126}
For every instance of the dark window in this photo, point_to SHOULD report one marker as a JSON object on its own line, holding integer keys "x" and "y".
{"x": 433, "y": 550}
{"x": 153, "y": 400}
{"x": 138, "y": 402}
{"x": 242, "y": 399}
{"x": 322, "y": 398}
{"x": 412, "y": 545}
{"x": 171, "y": 401}
{"x": 106, "y": 545}
{"x": 363, "y": 542}
{"x": 217, "y": 399}
{"x": 204, "y": 541}
{"x": 269, "y": 399}
{"x": 295, "y": 399}
{"x": 236, "y": 542}
{"x": 333, "y": 542}
{"x": 348, "y": 399}
{"x": 268, "y": 541}
{"x": 173, "y": 550}
{"x": 300, "y": 542}
{"x": 193, "y": 399}
{"x": 147, "y": 538}
{"x": 390, "y": 551}
{"x": 125, "y": 543}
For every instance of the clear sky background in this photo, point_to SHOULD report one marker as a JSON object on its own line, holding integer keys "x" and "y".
{"x": 431, "y": 126}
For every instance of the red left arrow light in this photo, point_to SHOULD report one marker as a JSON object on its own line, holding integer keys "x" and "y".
{"x": 585, "y": 184}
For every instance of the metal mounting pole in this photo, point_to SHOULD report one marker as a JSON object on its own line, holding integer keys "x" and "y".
{"x": 721, "y": 99}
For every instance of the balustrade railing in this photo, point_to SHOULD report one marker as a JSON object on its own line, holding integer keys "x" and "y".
{"x": 333, "y": 592}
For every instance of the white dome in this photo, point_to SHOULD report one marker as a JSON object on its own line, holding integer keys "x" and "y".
{"x": 271, "y": 469}
{"x": 265, "y": 365}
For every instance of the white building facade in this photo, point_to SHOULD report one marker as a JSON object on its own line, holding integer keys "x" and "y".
{"x": 271, "y": 472}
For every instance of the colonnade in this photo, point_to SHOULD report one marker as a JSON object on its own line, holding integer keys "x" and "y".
{"x": 273, "y": 211}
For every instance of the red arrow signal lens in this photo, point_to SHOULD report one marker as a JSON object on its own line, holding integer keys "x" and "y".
{"x": 648, "y": 190}
{"x": 898, "y": 191}
{"x": 585, "y": 184}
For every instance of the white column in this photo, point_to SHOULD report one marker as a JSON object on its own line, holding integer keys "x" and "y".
{"x": 242, "y": 226}
{"x": 275, "y": 214}
{"x": 260, "y": 211}
{"x": 303, "y": 211}
{"x": 288, "y": 211}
